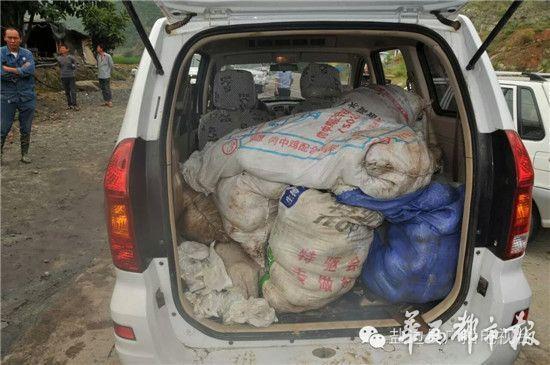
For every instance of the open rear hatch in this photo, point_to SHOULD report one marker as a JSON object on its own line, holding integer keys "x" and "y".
{"x": 175, "y": 10}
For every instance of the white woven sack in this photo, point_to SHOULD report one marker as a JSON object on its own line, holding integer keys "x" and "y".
{"x": 346, "y": 144}
{"x": 319, "y": 247}
{"x": 248, "y": 206}
{"x": 390, "y": 102}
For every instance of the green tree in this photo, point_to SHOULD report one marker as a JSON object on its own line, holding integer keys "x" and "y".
{"x": 13, "y": 12}
{"x": 105, "y": 25}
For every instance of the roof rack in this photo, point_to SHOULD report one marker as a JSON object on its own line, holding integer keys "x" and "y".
{"x": 533, "y": 76}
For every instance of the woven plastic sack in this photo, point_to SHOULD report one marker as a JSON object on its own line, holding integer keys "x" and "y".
{"x": 248, "y": 206}
{"x": 388, "y": 101}
{"x": 348, "y": 144}
{"x": 413, "y": 258}
{"x": 199, "y": 219}
{"x": 318, "y": 247}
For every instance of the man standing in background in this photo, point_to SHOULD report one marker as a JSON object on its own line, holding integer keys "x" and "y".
{"x": 104, "y": 67}
{"x": 18, "y": 92}
{"x": 283, "y": 83}
{"x": 67, "y": 66}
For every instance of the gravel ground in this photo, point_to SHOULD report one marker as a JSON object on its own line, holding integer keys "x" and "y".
{"x": 52, "y": 210}
{"x": 56, "y": 270}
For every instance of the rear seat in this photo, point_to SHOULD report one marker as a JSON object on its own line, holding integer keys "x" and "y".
{"x": 320, "y": 86}
{"x": 235, "y": 102}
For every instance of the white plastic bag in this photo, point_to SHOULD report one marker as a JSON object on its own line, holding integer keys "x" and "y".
{"x": 202, "y": 268}
{"x": 211, "y": 290}
{"x": 232, "y": 307}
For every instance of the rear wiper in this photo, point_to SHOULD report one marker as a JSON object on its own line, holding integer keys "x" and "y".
{"x": 144, "y": 38}
{"x": 501, "y": 23}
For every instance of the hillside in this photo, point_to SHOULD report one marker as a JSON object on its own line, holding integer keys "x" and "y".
{"x": 524, "y": 43}
{"x": 148, "y": 13}
{"x": 528, "y": 30}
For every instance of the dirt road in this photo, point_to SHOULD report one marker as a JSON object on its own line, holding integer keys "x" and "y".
{"x": 56, "y": 270}
{"x": 52, "y": 213}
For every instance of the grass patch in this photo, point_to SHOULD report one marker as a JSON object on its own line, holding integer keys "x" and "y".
{"x": 126, "y": 60}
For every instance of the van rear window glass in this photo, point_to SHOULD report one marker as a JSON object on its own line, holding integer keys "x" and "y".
{"x": 440, "y": 81}
{"x": 285, "y": 84}
{"x": 395, "y": 69}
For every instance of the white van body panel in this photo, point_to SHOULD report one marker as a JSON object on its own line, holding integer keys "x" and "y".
{"x": 163, "y": 336}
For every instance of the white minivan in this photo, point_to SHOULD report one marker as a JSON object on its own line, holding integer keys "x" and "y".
{"x": 153, "y": 320}
{"x": 528, "y": 99}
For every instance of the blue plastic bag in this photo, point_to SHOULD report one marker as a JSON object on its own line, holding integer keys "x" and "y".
{"x": 413, "y": 257}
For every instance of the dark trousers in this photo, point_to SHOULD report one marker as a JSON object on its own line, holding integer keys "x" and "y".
{"x": 105, "y": 85}
{"x": 69, "y": 85}
{"x": 26, "y": 113}
{"x": 283, "y": 92}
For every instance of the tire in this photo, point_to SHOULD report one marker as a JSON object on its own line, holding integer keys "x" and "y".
{"x": 535, "y": 224}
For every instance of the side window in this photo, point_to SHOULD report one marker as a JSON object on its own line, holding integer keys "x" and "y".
{"x": 365, "y": 75}
{"x": 194, "y": 68}
{"x": 443, "y": 93}
{"x": 394, "y": 67}
{"x": 187, "y": 99}
{"x": 529, "y": 121}
{"x": 509, "y": 97}
{"x": 344, "y": 69}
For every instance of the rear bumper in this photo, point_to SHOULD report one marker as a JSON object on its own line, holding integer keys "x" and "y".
{"x": 163, "y": 336}
{"x": 541, "y": 197}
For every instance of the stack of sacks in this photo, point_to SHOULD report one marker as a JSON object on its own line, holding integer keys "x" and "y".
{"x": 348, "y": 144}
{"x": 394, "y": 103}
{"x": 248, "y": 207}
{"x": 390, "y": 102}
{"x": 216, "y": 292}
{"x": 318, "y": 248}
{"x": 413, "y": 258}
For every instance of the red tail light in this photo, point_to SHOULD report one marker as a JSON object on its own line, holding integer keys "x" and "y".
{"x": 117, "y": 204}
{"x": 521, "y": 210}
{"x": 124, "y": 332}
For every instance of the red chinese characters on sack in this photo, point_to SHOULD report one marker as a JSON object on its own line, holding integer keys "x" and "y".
{"x": 325, "y": 283}
{"x": 331, "y": 263}
{"x": 307, "y": 255}
{"x": 257, "y": 137}
{"x": 353, "y": 264}
{"x": 344, "y": 116}
{"x": 300, "y": 274}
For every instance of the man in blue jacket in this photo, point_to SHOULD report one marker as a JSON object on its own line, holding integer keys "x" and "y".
{"x": 17, "y": 92}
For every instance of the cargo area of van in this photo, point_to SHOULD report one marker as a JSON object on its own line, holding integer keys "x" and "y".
{"x": 329, "y": 145}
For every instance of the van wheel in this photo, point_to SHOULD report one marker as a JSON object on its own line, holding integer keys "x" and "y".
{"x": 535, "y": 223}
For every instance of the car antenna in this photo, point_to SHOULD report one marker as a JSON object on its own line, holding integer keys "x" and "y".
{"x": 501, "y": 23}
{"x": 139, "y": 27}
